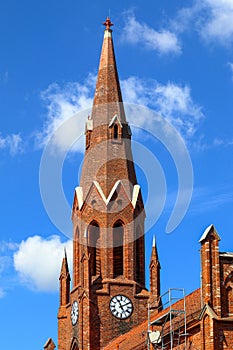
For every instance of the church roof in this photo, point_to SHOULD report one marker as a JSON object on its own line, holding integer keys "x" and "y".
{"x": 136, "y": 338}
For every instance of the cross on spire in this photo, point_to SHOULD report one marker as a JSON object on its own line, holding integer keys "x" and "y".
{"x": 108, "y": 24}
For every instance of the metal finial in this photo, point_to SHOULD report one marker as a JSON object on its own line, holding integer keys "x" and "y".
{"x": 108, "y": 24}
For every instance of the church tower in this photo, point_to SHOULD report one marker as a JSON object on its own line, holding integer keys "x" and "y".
{"x": 108, "y": 297}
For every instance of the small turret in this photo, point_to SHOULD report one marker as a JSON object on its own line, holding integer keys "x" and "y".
{"x": 64, "y": 282}
{"x": 49, "y": 345}
{"x": 211, "y": 294}
{"x": 155, "y": 275}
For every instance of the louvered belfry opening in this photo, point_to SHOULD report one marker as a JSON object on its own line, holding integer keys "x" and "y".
{"x": 94, "y": 248}
{"x": 118, "y": 238}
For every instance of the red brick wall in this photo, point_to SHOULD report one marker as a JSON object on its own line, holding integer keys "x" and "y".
{"x": 226, "y": 268}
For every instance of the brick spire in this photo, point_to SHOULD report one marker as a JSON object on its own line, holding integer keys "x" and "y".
{"x": 107, "y": 132}
{"x": 107, "y": 87}
{"x": 155, "y": 275}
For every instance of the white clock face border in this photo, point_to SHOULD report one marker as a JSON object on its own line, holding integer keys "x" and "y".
{"x": 74, "y": 313}
{"x": 121, "y": 306}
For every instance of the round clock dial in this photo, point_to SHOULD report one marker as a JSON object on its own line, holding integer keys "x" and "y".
{"x": 121, "y": 306}
{"x": 74, "y": 313}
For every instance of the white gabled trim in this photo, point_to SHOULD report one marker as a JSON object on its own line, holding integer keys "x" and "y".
{"x": 113, "y": 120}
{"x": 209, "y": 311}
{"x": 79, "y": 194}
{"x": 226, "y": 254}
{"x": 107, "y": 33}
{"x": 106, "y": 200}
{"x": 136, "y": 190}
{"x": 206, "y": 232}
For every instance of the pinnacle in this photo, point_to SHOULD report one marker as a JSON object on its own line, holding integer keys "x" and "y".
{"x": 154, "y": 241}
{"x": 64, "y": 267}
{"x": 154, "y": 253}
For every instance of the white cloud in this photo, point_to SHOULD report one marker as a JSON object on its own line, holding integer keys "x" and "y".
{"x": 172, "y": 101}
{"x": 162, "y": 41}
{"x": 230, "y": 64}
{"x": 210, "y": 198}
{"x": 13, "y": 143}
{"x": 38, "y": 262}
{"x": 7, "y": 246}
{"x": 176, "y": 104}
{"x": 2, "y": 293}
{"x": 222, "y": 142}
{"x": 6, "y": 266}
{"x": 212, "y": 19}
{"x": 62, "y": 103}
{"x": 202, "y": 143}
{"x": 5, "y": 262}
{"x": 219, "y": 24}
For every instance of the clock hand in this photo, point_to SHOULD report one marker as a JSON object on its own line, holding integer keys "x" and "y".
{"x": 129, "y": 302}
{"x": 121, "y": 306}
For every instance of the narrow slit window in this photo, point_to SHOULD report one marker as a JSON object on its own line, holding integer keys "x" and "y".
{"x": 118, "y": 237}
{"x": 94, "y": 248}
{"x": 115, "y": 131}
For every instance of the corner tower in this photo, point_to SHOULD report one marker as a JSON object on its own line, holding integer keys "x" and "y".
{"x": 108, "y": 297}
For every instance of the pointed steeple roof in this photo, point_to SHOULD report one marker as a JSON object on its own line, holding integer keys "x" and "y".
{"x": 210, "y": 229}
{"x": 107, "y": 86}
{"x": 49, "y": 345}
{"x": 64, "y": 266}
{"x": 108, "y": 89}
{"x": 154, "y": 252}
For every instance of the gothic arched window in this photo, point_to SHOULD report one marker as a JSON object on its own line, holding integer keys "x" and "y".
{"x": 94, "y": 248}
{"x": 74, "y": 344}
{"x": 118, "y": 240}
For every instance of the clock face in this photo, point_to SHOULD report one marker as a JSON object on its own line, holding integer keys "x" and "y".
{"x": 121, "y": 306}
{"x": 74, "y": 313}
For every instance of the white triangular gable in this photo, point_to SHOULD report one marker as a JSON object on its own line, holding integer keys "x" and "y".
{"x": 113, "y": 121}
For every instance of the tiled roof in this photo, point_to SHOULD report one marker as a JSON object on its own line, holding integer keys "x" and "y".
{"x": 136, "y": 338}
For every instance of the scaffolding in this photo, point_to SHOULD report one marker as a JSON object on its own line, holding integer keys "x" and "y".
{"x": 170, "y": 322}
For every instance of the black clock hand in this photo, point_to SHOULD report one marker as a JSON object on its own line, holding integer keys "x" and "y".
{"x": 121, "y": 306}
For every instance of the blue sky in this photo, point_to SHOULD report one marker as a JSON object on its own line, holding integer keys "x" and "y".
{"x": 175, "y": 58}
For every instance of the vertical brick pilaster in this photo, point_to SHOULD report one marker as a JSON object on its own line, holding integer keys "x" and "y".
{"x": 211, "y": 291}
